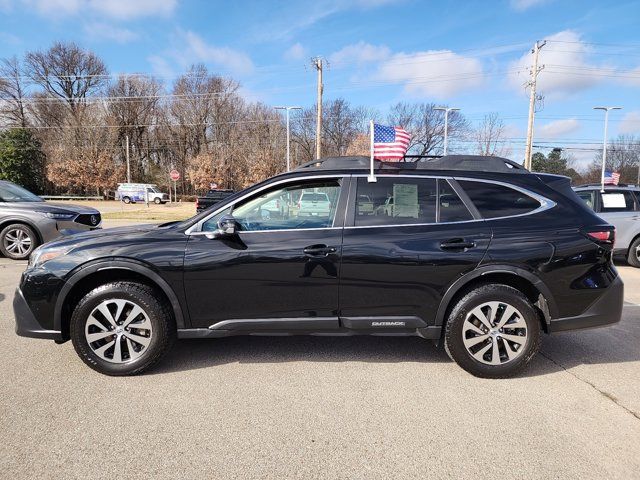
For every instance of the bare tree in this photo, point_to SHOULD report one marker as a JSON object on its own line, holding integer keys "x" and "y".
{"x": 426, "y": 126}
{"x": 67, "y": 72}
{"x": 623, "y": 156}
{"x": 489, "y": 136}
{"x": 12, "y": 93}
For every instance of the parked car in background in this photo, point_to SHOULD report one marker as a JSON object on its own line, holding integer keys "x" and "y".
{"x": 27, "y": 221}
{"x": 314, "y": 204}
{"x": 478, "y": 254}
{"x": 619, "y": 205}
{"x": 139, "y": 192}
{"x": 211, "y": 198}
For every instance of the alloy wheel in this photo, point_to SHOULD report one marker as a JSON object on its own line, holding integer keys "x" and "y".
{"x": 494, "y": 333}
{"x": 17, "y": 241}
{"x": 118, "y": 331}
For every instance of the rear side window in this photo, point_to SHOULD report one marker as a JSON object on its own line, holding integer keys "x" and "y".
{"x": 588, "y": 197}
{"x": 493, "y": 201}
{"x": 314, "y": 197}
{"x": 617, "y": 201}
{"x": 396, "y": 201}
{"x": 452, "y": 209}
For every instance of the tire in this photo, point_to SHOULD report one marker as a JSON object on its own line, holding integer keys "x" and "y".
{"x": 633, "y": 256}
{"x": 17, "y": 241}
{"x": 157, "y": 201}
{"x": 464, "y": 329}
{"x": 126, "y": 200}
{"x": 139, "y": 347}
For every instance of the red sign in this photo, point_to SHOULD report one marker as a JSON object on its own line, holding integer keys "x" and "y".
{"x": 174, "y": 175}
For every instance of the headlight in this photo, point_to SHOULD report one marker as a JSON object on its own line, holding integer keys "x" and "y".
{"x": 43, "y": 254}
{"x": 59, "y": 216}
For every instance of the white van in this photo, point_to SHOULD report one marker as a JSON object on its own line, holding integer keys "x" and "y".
{"x": 137, "y": 192}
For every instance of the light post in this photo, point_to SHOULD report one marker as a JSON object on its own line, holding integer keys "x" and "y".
{"x": 604, "y": 143}
{"x": 446, "y": 111}
{"x": 288, "y": 109}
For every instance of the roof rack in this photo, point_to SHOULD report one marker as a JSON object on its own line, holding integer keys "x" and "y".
{"x": 607, "y": 185}
{"x": 475, "y": 163}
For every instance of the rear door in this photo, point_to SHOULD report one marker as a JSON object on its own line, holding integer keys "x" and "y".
{"x": 407, "y": 238}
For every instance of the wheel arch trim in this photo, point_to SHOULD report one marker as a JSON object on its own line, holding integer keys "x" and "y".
{"x": 117, "y": 264}
{"x": 463, "y": 281}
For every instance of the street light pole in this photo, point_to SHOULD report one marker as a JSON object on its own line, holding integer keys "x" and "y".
{"x": 288, "y": 109}
{"x": 604, "y": 143}
{"x": 446, "y": 111}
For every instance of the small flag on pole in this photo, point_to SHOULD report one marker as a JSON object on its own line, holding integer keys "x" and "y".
{"x": 611, "y": 178}
{"x": 390, "y": 144}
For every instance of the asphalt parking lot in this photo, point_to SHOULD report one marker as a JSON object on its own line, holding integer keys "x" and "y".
{"x": 316, "y": 407}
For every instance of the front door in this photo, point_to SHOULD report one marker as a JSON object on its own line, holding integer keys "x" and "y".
{"x": 280, "y": 271}
{"x": 406, "y": 240}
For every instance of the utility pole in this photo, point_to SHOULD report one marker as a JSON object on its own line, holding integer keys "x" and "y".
{"x": 604, "y": 143}
{"x": 288, "y": 109}
{"x": 446, "y": 111}
{"x": 128, "y": 164}
{"x": 535, "y": 70}
{"x": 318, "y": 62}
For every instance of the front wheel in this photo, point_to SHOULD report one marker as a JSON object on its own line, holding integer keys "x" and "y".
{"x": 126, "y": 200}
{"x": 633, "y": 257}
{"x": 122, "y": 328}
{"x": 493, "y": 331}
{"x": 157, "y": 201}
{"x": 17, "y": 241}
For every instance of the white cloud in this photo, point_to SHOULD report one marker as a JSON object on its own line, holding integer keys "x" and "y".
{"x": 127, "y": 9}
{"x": 295, "y": 52}
{"x": 567, "y": 69}
{"x": 105, "y": 31}
{"x": 630, "y": 123}
{"x": 225, "y": 57}
{"x": 433, "y": 73}
{"x": 116, "y": 9}
{"x": 359, "y": 53}
{"x": 558, "y": 128}
{"x": 522, "y": 5}
{"x": 189, "y": 48}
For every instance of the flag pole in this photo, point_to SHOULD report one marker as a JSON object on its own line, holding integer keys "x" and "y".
{"x": 371, "y": 178}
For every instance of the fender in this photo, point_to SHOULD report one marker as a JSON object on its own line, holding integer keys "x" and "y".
{"x": 116, "y": 264}
{"x": 487, "y": 269}
{"x": 18, "y": 219}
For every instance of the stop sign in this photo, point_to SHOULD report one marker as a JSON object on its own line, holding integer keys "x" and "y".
{"x": 174, "y": 175}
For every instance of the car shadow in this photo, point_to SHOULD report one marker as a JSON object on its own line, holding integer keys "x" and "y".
{"x": 2, "y": 297}
{"x": 195, "y": 354}
{"x": 609, "y": 345}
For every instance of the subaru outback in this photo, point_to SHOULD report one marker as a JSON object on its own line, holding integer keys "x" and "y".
{"x": 477, "y": 254}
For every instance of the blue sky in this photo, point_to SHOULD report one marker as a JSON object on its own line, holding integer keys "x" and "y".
{"x": 472, "y": 55}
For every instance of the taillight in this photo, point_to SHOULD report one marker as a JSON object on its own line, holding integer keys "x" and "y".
{"x": 604, "y": 236}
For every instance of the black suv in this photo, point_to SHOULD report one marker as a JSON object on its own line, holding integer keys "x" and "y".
{"x": 476, "y": 253}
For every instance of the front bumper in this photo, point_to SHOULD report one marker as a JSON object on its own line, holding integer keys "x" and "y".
{"x": 26, "y": 323}
{"x": 606, "y": 310}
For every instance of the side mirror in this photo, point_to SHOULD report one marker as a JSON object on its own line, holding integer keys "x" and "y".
{"x": 227, "y": 227}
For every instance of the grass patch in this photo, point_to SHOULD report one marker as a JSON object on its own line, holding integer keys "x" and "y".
{"x": 163, "y": 215}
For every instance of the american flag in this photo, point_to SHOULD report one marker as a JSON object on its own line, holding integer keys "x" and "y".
{"x": 389, "y": 143}
{"x": 611, "y": 178}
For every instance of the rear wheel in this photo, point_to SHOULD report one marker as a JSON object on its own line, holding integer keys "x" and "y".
{"x": 493, "y": 332}
{"x": 122, "y": 328}
{"x": 17, "y": 241}
{"x": 126, "y": 200}
{"x": 633, "y": 257}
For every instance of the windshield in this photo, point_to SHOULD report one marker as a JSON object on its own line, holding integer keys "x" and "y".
{"x": 10, "y": 192}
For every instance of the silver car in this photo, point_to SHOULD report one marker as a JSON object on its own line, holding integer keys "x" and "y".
{"x": 27, "y": 221}
{"x": 620, "y": 206}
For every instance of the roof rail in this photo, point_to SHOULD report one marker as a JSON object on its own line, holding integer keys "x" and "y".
{"x": 475, "y": 163}
{"x": 606, "y": 185}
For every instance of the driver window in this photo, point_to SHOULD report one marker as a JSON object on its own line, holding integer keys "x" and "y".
{"x": 310, "y": 204}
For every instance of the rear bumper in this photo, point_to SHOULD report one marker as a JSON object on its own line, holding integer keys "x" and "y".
{"x": 604, "y": 311}
{"x": 26, "y": 323}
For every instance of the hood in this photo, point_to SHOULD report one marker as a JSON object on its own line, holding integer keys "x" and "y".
{"x": 104, "y": 235}
{"x": 51, "y": 207}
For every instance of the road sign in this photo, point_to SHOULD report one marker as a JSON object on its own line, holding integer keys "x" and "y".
{"x": 174, "y": 175}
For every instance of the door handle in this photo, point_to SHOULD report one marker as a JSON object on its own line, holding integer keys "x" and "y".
{"x": 457, "y": 244}
{"x": 319, "y": 250}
